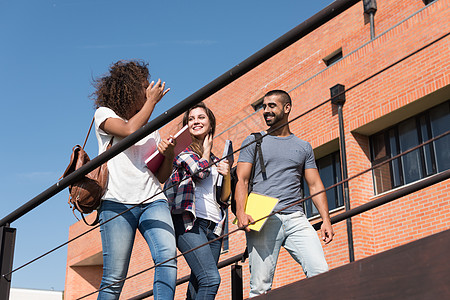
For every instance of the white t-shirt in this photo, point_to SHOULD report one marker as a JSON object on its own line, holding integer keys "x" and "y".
{"x": 206, "y": 206}
{"x": 129, "y": 179}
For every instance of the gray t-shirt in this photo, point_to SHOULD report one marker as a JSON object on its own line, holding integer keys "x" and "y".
{"x": 284, "y": 159}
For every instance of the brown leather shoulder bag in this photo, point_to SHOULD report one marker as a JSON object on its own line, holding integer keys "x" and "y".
{"x": 86, "y": 194}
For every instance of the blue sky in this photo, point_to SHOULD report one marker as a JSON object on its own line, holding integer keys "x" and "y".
{"x": 49, "y": 52}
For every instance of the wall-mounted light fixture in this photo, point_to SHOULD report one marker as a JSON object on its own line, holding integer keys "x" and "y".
{"x": 337, "y": 93}
{"x": 370, "y": 8}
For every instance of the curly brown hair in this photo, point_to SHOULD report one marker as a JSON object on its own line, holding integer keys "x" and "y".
{"x": 122, "y": 88}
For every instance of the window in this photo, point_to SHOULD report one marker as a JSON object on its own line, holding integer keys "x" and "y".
{"x": 330, "y": 172}
{"x": 420, "y": 163}
{"x": 257, "y": 105}
{"x": 333, "y": 57}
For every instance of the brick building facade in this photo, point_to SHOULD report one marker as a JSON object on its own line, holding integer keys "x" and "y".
{"x": 397, "y": 96}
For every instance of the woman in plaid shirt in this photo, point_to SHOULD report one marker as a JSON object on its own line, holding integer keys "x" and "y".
{"x": 197, "y": 212}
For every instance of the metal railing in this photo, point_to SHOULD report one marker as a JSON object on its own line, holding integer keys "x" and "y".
{"x": 7, "y": 234}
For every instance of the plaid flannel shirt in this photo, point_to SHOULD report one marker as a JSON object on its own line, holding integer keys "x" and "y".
{"x": 179, "y": 188}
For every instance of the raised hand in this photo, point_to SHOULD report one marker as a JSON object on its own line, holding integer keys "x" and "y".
{"x": 155, "y": 91}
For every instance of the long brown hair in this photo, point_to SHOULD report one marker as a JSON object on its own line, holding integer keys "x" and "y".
{"x": 197, "y": 145}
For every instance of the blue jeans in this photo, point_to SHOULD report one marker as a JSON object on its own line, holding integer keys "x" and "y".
{"x": 155, "y": 224}
{"x": 296, "y": 235}
{"x": 205, "y": 278}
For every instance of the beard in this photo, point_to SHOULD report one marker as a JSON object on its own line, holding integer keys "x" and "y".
{"x": 274, "y": 118}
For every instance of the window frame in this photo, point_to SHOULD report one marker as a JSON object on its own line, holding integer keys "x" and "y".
{"x": 426, "y": 2}
{"x": 419, "y": 120}
{"x": 333, "y": 57}
{"x": 308, "y": 205}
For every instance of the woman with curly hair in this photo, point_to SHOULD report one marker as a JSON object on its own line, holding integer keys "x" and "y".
{"x": 125, "y": 100}
{"x": 198, "y": 211}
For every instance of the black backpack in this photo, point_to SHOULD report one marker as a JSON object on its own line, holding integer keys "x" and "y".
{"x": 234, "y": 179}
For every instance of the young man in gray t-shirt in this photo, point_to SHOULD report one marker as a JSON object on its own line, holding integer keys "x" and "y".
{"x": 287, "y": 159}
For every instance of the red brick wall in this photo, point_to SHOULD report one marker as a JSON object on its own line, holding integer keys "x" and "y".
{"x": 82, "y": 280}
{"x": 406, "y": 26}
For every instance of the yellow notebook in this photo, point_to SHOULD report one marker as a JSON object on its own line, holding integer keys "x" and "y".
{"x": 259, "y": 206}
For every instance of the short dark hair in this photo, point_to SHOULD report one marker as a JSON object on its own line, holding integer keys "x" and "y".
{"x": 284, "y": 96}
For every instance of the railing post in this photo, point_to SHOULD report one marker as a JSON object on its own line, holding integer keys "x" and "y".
{"x": 237, "y": 292}
{"x": 7, "y": 240}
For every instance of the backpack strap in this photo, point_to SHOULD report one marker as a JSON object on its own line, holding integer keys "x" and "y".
{"x": 89, "y": 131}
{"x": 258, "y": 151}
{"x": 95, "y": 222}
{"x": 68, "y": 170}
